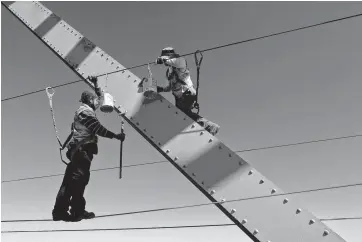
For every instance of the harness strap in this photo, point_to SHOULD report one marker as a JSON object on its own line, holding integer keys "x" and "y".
{"x": 198, "y": 65}
{"x": 62, "y": 146}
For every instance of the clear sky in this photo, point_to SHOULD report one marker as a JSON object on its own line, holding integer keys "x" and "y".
{"x": 300, "y": 86}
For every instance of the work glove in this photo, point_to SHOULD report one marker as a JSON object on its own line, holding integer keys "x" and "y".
{"x": 159, "y": 60}
{"x": 93, "y": 79}
{"x": 120, "y": 136}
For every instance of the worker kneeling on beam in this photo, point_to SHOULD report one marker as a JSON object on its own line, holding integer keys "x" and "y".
{"x": 81, "y": 148}
{"x": 180, "y": 83}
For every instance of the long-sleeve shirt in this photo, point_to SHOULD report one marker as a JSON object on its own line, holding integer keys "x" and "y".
{"x": 87, "y": 126}
{"x": 91, "y": 122}
{"x": 179, "y": 77}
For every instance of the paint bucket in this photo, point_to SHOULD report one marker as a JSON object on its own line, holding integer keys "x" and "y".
{"x": 107, "y": 103}
{"x": 150, "y": 88}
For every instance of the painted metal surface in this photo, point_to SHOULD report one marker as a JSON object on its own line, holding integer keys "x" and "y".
{"x": 219, "y": 173}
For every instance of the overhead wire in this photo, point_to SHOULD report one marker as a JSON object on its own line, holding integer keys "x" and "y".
{"x": 120, "y": 229}
{"x": 196, "y": 205}
{"x": 157, "y": 162}
{"x": 204, "y": 50}
{"x": 146, "y": 228}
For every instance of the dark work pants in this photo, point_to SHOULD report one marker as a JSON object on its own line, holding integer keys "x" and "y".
{"x": 76, "y": 178}
{"x": 185, "y": 104}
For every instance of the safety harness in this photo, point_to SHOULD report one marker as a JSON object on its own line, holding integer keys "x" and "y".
{"x": 70, "y": 136}
{"x": 61, "y": 146}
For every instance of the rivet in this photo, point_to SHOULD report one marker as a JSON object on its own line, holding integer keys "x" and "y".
{"x": 176, "y": 112}
{"x": 159, "y": 144}
{"x": 193, "y": 174}
{"x": 117, "y": 67}
{"x": 169, "y": 106}
{"x": 107, "y": 58}
{"x": 67, "y": 28}
{"x": 233, "y": 211}
{"x": 112, "y": 63}
{"x": 161, "y": 100}
{"x": 131, "y": 118}
{"x": 192, "y": 126}
{"x": 273, "y": 191}
{"x": 122, "y": 72}
{"x": 144, "y": 130}
{"x": 298, "y": 211}
{"x": 176, "y": 158}
{"x": 229, "y": 155}
{"x": 244, "y": 221}
{"x": 82, "y": 73}
{"x": 152, "y": 137}
{"x": 220, "y": 147}
{"x": 285, "y": 201}
{"x": 138, "y": 123}
{"x": 250, "y": 172}
{"x": 135, "y": 81}
{"x": 71, "y": 31}
{"x": 97, "y": 51}
{"x": 80, "y": 37}
{"x": 255, "y": 231}
{"x": 184, "y": 166}
{"x": 312, "y": 221}
{"x": 167, "y": 151}
{"x": 240, "y": 163}
{"x": 212, "y": 192}
{"x": 129, "y": 76}
{"x": 261, "y": 182}
{"x": 223, "y": 200}
{"x": 102, "y": 54}
{"x": 326, "y": 232}
{"x": 201, "y": 133}
{"x": 203, "y": 183}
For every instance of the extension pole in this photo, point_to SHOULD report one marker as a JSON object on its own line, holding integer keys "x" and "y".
{"x": 120, "y": 155}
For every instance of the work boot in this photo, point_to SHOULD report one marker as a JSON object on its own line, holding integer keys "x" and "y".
{"x": 80, "y": 216}
{"x": 212, "y": 129}
{"x": 209, "y": 126}
{"x": 63, "y": 216}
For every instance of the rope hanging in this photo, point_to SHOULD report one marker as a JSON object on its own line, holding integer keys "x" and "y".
{"x": 61, "y": 146}
{"x": 198, "y": 65}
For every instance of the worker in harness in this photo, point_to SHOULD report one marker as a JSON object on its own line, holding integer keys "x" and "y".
{"x": 181, "y": 85}
{"x": 81, "y": 149}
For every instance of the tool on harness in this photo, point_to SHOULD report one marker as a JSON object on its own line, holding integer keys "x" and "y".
{"x": 149, "y": 85}
{"x": 62, "y": 146}
{"x": 107, "y": 100}
{"x": 198, "y": 64}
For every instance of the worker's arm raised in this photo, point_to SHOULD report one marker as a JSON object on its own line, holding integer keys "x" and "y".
{"x": 176, "y": 62}
{"x": 97, "y": 89}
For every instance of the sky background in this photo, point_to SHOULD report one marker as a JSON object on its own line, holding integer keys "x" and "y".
{"x": 296, "y": 87}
